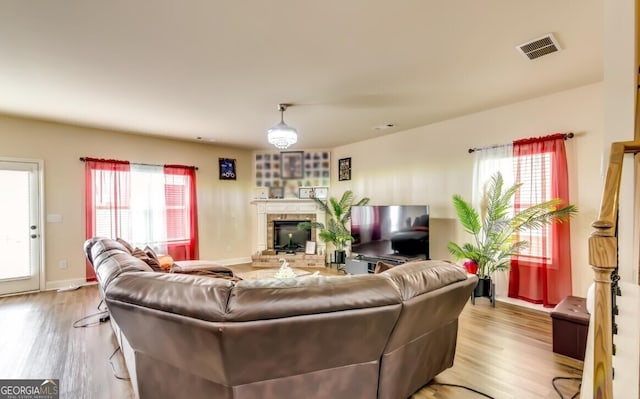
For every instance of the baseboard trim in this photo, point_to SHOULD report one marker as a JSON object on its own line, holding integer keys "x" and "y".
{"x": 57, "y": 284}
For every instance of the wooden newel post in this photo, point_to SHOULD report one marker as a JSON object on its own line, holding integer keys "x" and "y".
{"x": 603, "y": 258}
{"x": 600, "y": 249}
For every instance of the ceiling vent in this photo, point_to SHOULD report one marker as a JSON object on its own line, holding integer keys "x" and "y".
{"x": 536, "y": 48}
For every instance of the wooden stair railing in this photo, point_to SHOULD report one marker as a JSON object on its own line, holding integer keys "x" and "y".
{"x": 603, "y": 258}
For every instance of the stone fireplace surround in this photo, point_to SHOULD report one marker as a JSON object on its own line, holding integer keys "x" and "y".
{"x": 310, "y": 217}
{"x": 269, "y": 210}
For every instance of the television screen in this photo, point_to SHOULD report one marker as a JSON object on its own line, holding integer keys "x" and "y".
{"x": 398, "y": 230}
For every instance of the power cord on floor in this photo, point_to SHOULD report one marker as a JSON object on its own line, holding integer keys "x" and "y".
{"x": 113, "y": 368}
{"x": 463, "y": 387}
{"x": 100, "y": 304}
{"x": 103, "y": 317}
{"x": 553, "y": 383}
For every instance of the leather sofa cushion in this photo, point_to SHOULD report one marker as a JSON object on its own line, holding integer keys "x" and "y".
{"x": 110, "y": 259}
{"x": 115, "y": 265}
{"x": 96, "y": 246}
{"x": 419, "y": 277}
{"x": 199, "y": 297}
{"x": 276, "y": 298}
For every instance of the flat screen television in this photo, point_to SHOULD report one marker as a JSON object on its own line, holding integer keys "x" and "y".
{"x": 390, "y": 230}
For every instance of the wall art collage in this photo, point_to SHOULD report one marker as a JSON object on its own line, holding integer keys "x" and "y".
{"x": 284, "y": 172}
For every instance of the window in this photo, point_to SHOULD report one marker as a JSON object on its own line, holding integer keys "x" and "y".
{"x": 535, "y": 177}
{"x": 542, "y": 272}
{"x": 143, "y": 204}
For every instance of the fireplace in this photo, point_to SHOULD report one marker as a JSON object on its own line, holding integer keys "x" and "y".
{"x": 295, "y": 210}
{"x": 288, "y": 238}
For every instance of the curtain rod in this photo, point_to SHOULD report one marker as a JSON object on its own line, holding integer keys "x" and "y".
{"x": 143, "y": 164}
{"x": 567, "y": 136}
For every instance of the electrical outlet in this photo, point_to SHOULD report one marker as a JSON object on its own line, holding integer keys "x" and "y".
{"x": 63, "y": 264}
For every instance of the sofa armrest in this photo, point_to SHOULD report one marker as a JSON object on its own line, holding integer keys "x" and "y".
{"x": 185, "y": 266}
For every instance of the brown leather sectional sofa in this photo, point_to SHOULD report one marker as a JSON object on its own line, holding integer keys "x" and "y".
{"x": 364, "y": 336}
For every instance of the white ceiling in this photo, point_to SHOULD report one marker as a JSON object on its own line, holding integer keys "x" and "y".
{"x": 218, "y": 69}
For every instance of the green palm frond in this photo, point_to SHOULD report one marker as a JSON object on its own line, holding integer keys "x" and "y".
{"x": 346, "y": 200}
{"x": 540, "y": 215}
{"x": 499, "y": 202}
{"x": 323, "y": 204}
{"x": 494, "y": 227}
{"x": 468, "y": 216}
{"x": 338, "y": 213}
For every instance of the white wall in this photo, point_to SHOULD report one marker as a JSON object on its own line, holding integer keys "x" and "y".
{"x": 427, "y": 165}
{"x": 424, "y": 165}
{"x": 224, "y": 211}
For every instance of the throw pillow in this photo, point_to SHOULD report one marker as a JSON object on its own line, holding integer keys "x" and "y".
{"x": 138, "y": 253}
{"x": 166, "y": 262}
{"x": 125, "y": 244}
{"x": 153, "y": 263}
{"x": 151, "y": 253}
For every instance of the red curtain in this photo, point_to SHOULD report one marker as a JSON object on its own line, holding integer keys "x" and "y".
{"x": 107, "y": 186}
{"x": 546, "y": 277}
{"x": 182, "y": 215}
{"x": 107, "y": 206}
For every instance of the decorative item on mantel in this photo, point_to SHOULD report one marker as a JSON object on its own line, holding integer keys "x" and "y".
{"x": 313, "y": 192}
{"x": 276, "y": 192}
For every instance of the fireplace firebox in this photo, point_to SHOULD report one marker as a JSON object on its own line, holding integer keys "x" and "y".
{"x": 288, "y": 238}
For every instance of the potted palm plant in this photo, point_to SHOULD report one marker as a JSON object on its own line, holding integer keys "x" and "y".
{"x": 336, "y": 230}
{"x": 494, "y": 229}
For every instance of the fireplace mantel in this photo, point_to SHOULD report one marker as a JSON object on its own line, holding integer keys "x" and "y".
{"x": 266, "y": 207}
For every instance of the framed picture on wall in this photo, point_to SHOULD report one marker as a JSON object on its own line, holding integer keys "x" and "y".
{"x": 227, "y": 168}
{"x": 344, "y": 169}
{"x": 292, "y": 165}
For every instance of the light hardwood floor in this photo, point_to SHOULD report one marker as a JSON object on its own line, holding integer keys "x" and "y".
{"x": 504, "y": 351}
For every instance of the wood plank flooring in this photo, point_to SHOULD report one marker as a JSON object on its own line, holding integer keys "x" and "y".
{"x": 504, "y": 351}
{"x": 37, "y": 341}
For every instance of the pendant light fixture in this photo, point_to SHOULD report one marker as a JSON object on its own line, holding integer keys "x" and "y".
{"x": 282, "y": 135}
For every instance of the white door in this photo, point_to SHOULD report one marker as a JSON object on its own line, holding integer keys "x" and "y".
{"x": 19, "y": 227}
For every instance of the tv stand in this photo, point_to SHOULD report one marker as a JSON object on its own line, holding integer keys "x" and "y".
{"x": 363, "y": 264}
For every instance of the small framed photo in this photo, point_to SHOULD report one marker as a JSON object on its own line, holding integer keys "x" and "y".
{"x": 310, "y": 248}
{"x": 276, "y": 192}
{"x": 305, "y": 192}
{"x": 262, "y": 193}
{"x": 344, "y": 169}
{"x": 227, "y": 168}
{"x": 321, "y": 192}
{"x": 292, "y": 165}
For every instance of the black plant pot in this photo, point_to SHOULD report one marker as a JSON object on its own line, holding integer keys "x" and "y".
{"x": 340, "y": 257}
{"x": 483, "y": 288}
